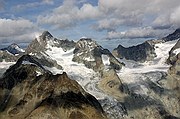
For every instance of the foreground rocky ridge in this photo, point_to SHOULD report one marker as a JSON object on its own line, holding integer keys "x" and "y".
{"x": 32, "y": 92}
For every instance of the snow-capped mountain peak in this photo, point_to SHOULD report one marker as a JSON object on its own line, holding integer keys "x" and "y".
{"x": 13, "y": 49}
{"x": 46, "y": 35}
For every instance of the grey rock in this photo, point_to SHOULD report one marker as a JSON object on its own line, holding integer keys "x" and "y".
{"x": 11, "y": 53}
{"x": 26, "y": 95}
{"x": 13, "y": 49}
{"x": 8, "y": 57}
{"x": 90, "y": 53}
{"x": 40, "y": 43}
{"x": 141, "y": 53}
{"x": 38, "y": 47}
{"x": 172, "y": 56}
{"x": 173, "y": 36}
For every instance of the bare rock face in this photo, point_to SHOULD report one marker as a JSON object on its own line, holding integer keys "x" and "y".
{"x": 174, "y": 70}
{"x": 141, "y": 53}
{"x": 173, "y": 53}
{"x": 40, "y": 43}
{"x": 102, "y": 61}
{"x": 8, "y": 57}
{"x": 90, "y": 53}
{"x": 28, "y": 91}
{"x": 38, "y": 47}
{"x": 174, "y": 61}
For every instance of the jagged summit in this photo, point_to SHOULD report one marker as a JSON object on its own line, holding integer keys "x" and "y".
{"x": 13, "y": 49}
{"x": 41, "y": 43}
{"x": 141, "y": 52}
{"x": 173, "y": 36}
{"x": 46, "y": 35}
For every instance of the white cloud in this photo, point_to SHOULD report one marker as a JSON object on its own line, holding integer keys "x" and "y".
{"x": 68, "y": 14}
{"x": 140, "y": 32}
{"x": 17, "y": 30}
{"x": 175, "y": 17}
{"x": 108, "y": 24}
{"x": 114, "y": 14}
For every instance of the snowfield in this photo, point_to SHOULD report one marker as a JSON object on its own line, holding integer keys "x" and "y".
{"x": 6, "y": 65}
{"x": 87, "y": 78}
{"x": 133, "y": 73}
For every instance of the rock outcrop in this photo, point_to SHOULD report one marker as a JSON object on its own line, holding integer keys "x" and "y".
{"x": 8, "y": 57}
{"x": 28, "y": 91}
{"x": 91, "y": 54}
{"x": 39, "y": 46}
{"x": 173, "y": 53}
{"x": 102, "y": 61}
{"x": 140, "y": 53}
{"x": 40, "y": 43}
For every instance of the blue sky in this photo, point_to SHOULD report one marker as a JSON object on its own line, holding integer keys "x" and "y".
{"x": 121, "y": 21}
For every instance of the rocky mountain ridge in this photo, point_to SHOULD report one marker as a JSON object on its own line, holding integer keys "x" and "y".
{"x": 173, "y": 36}
{"x": 13, "y": 49}
{"x": 144, "y": 51}
{"x": 141, "y": 53}
{"x": 29, "y": 91}
{"x": 124, "y": 91}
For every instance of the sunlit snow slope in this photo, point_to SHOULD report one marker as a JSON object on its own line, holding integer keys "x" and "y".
{"x": 133, "y": 73}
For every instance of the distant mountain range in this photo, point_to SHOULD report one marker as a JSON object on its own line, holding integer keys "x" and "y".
{"x": 62, "y": 79}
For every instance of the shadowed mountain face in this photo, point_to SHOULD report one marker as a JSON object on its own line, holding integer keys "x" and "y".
{"x": 174, "y": 60}
{"x": 11, "y": 53}
{"x": 40, "y": 43}
{"x": 173, "y": 53}
{"x": 141, "y": 53}
{"x": 13, "y": 49}
{"x": 144, "y": 51}
{"x": 30, "y": 91}
{"x": 174, "y": 36}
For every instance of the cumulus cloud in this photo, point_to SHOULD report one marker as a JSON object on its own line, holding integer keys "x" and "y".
{"x": 69, "y": 14}
{"x": 111, "y": 15}
{"x": 140, "y": 32}
{"x": 20, "y": 30}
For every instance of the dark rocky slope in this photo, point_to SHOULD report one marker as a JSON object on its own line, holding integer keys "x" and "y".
{"x": 144, "y": 51}
{"x": 30, "y": 91}
{"x": 173, "y": 36}
{"x": 11, "y": 53}
{"x": 141, "y": 53}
